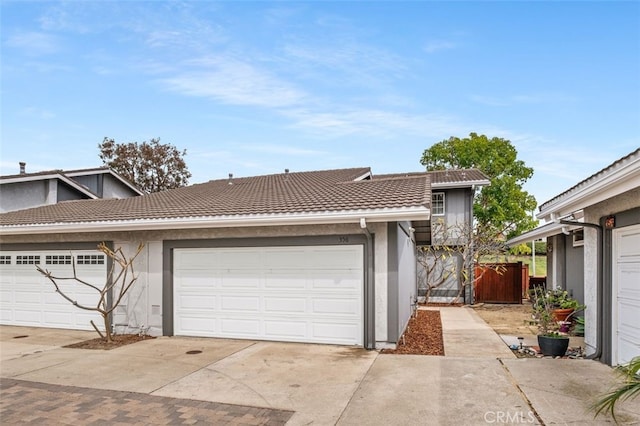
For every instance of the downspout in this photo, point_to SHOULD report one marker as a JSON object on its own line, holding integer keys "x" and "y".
{"x": 599, "y": 291}
{"x": 369, "y": 337}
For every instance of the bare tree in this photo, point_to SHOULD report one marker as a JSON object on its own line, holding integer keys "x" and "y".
{"x": 120, "y": 281}
{"x": 454, "y": 252}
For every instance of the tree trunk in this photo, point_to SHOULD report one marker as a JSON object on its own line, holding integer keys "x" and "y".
{"x": 107, "y": 327}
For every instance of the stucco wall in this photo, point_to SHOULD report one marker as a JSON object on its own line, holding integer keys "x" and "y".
{"x": 113, "y": 188}
{"x": 144, "y": 305}
{"x": 406, "y": 276}
{"x": 22, "y": 195}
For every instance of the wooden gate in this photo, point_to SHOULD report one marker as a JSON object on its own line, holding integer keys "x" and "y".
{"x": 508, "y": 286}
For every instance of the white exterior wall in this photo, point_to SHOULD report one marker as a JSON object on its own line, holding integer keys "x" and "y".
{"x": 593, "y": 214}
{"x": 381, "y": 281}
{"x": 144, "y": 302}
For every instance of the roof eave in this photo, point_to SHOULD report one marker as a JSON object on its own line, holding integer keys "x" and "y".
{"x": 308, "y": 218}
{"x": 543, "y": 231}
{"x": 623, "y": 179}
{"x": 463, "y": 184}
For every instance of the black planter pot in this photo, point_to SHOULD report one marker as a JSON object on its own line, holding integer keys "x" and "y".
{"x": 553, "y": 346}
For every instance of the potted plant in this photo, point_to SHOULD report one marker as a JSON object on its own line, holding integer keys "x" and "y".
{"x": 564, "y": 306}
{"x": 550, "y": 340}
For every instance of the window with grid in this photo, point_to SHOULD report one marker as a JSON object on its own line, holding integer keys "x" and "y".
{"x": 58, "y": 259}
{"x": 90, "y": 259}
{"x": 437, "y": 204}
{"x": 5, "y": 260}
{"x": 28, "y": 260}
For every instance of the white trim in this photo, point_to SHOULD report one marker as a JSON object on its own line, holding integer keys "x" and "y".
{"x": 61, "y": 176}
{"x": 543, "y": 231}
{"x": 317, "y": 218}
{"x": 116, "y": 175}
{"x": 465, "y": 184}
{"x": 622, "y": 178}
{"x": 444, "y": 203}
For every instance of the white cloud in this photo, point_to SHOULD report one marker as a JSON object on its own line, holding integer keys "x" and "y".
{"x": 38, "y": 113}
{"x": 531, "y": 98}
{"x": 379, "y": 123}
{"x": 233, "y": 82}
{"x": 437, "y": 45}
{"x": 34, "y": 43}
{"x": 283, "y": 150}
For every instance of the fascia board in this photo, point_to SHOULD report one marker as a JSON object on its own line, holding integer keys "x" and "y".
{"x": 109, "y": 171}
{"x": 455, "y": 185}
{"x": 371, "y": 216}
{"x": 543, "y": 231}
{"x": 622, "y": 180}
{"x": 59, "y": 176}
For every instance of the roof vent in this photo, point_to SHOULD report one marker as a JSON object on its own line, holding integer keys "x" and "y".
{"x": 230, "y": 178}
{"x": 23, "y": 166}
{"x": 286, "y": 171}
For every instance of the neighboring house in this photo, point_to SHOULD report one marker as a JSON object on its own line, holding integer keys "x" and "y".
{"x": 26, "y": 190}
{"x": 322, "y": 256}
{"x": 452, "y": 196}
{"x": 593, "y": 251}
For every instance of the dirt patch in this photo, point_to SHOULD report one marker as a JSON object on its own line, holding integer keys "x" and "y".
{"x": 513, "y": 320}
{"x": 423, "y": 335}
{"x": 118, "y": 340}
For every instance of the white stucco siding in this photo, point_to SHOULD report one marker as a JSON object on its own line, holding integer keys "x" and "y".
{"x": 143, "y": 307}
{"x": 381, "y": 279}
{"x": 593, "y": 214}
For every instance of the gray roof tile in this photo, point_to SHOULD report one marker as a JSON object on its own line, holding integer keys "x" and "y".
{"x": 301, "y": 192}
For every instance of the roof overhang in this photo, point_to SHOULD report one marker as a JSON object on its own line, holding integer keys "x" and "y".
{"x": 543, "y": 231}
{"x": 463, "y": 184}
{"x": 231, "y": 221}
{"x": 108, "y": 171}
{"x": 621, "y": 178}
{"x": 60, "y": 176}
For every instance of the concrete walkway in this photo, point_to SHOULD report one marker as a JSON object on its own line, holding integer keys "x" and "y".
{"x": 479, "y": 381}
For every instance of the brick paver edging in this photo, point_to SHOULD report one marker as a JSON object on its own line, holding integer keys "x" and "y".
{"x": 41, "y": 403}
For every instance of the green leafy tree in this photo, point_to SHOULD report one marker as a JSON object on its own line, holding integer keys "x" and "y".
{"x": 503, "y": 207}
{"x": 151, "y": 166}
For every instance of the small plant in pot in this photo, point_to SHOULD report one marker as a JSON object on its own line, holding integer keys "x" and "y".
{"x": 551, "y": 340}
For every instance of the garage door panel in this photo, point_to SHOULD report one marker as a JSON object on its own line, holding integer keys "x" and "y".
{"x": 334, "y": 306}
{"x": 338, "y": 331}
{"x": 240, "y": 304}
{"x": 286, "y": 329}
{"x": 195, "y": 301}
{"x": 284, "y": 305}
{"x": 282, "y": 293}
{"x": 284, "y": 281}
{"x": 27, "y": 316}
{"x": 627, "y": 285}
{"x": 240, "y": 327}
{"x": 197, "y": 326}
{"x": 28, "y": 298}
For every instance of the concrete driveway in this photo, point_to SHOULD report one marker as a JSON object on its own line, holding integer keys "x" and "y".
{"x": 478, "y": 382}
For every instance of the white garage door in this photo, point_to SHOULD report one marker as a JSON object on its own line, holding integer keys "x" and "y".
{"x": 28, "y": 298}
{"x": 626, "y": 254}
{"x": 296, "y": 294}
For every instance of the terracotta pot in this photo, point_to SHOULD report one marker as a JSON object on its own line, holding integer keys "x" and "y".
{"x": 562, "y": 314}
{"x": 553, "y": 346}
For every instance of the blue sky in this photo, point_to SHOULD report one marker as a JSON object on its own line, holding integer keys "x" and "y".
{"x": 256, "y": 87}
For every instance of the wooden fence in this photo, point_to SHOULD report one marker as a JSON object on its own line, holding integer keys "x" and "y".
{"x": 509, "y": 286}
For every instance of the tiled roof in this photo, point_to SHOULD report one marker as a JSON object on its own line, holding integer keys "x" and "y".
{"x": 444, "y": 176}
{"x": 303, "y": 192}
{"x": 598, "y": 175}
{"x": 57, "y": 172}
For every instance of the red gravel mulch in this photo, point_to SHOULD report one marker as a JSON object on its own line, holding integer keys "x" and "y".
{"x": 423, "y": 335}
{"x": 118, "y": 340}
